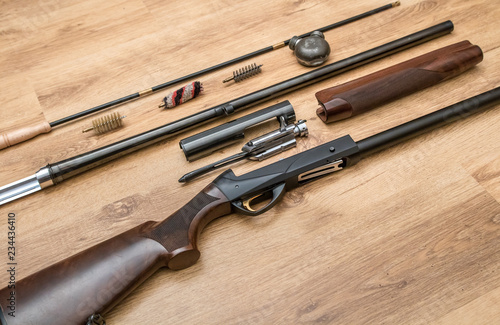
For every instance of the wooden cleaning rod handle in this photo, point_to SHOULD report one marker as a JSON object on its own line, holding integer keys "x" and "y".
{"x": 366, "y": 93}
{"x": 12, "y": 137}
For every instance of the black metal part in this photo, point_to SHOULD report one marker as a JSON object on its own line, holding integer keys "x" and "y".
{"x": 81, "y": 163}
{"x": 428, "y": 122}
{"x": 260, "y": 148}
{"x": 95, "y": 109}
{"x": 350, "y": 20}
{"x": 212, "y": 68}
{"x": 209, "y": 141}
{"x": 218, "y": 164}
{"x": 286, "y": 170}
{"x": 344, "y": 150}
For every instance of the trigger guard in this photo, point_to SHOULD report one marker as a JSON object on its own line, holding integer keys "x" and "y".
{"x": 278, "y": 193}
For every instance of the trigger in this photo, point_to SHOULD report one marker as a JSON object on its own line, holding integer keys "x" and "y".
{"x": 244, "y": 206}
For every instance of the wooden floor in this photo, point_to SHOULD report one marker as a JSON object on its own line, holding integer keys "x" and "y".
{"x": 409, "y": 236}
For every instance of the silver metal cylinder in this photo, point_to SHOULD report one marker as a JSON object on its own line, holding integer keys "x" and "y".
{"x": 26, "y": 186}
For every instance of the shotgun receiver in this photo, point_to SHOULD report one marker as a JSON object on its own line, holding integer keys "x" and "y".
{"x": 89, "y": 284}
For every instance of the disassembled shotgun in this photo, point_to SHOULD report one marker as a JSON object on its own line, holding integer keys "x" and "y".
{"x": 55, "y": 173}
{"x": 89, "y": 284}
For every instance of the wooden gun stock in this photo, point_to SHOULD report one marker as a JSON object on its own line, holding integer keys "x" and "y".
{"x": 95, "y": 280}
{"x": 363, "y": 94}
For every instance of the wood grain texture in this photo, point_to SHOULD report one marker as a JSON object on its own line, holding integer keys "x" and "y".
{"x": 409, "y": 235}
{"x": 397, "y": 81}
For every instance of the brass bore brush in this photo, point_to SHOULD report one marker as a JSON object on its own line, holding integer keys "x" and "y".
{"x": 106, "y": 123}
{"x": 245, "y": 72}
